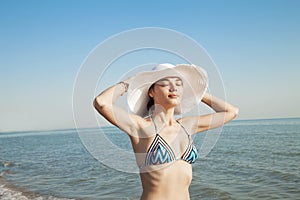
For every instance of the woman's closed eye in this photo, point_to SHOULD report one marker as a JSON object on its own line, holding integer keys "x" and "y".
{"x": 163, "y": 84}
{"x": 166, "y": 83}
{"x": 179, "y": 83}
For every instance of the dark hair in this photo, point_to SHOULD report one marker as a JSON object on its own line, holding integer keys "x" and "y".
{"x": 151, "y": 100}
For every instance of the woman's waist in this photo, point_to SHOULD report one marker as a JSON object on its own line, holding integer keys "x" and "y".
{"x": 182, "y": 194}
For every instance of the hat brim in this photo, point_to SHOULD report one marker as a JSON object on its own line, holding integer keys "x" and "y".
{"x": 195, "y": 83}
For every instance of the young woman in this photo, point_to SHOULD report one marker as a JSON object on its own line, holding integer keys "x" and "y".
{"x": 162, "y": 144}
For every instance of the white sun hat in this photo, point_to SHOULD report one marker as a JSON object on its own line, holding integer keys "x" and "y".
{"x": 195, "y": 83}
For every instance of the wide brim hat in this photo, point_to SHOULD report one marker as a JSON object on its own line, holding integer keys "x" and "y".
{"x": 195, "y": 83}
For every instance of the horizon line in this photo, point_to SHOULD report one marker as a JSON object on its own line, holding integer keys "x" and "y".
{"x": 72, "y": 128}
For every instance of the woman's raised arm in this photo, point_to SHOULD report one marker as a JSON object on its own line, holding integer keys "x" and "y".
{"x": 224, "y": 112}
{"x": 104, "y": 103}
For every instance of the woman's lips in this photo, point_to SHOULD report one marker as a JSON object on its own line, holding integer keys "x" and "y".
{"x": 173, "y": 96}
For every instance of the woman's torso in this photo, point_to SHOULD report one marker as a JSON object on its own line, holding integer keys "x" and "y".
{"x": 164, "y": 178}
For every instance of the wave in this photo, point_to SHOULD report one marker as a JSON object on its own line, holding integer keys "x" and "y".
{"x": 7, "y": 164}
{"x": 11, "y": 192}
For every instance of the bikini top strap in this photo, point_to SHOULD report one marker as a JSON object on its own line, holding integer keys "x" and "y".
{"x": 184, "y": 129}
{"x": 156, "y": 131}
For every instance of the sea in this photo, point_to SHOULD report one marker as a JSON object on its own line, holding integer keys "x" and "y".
{"x": 252, "y": 159}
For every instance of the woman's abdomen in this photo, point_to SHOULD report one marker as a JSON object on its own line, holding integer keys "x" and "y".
{"x": 167, "y": 181}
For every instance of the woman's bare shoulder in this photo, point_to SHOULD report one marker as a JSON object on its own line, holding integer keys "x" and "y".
{"x": 146, "y": 127}
{"x": 145, "y": 130}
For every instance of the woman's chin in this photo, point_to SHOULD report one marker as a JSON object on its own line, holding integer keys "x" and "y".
{"x": 174, "y": 102}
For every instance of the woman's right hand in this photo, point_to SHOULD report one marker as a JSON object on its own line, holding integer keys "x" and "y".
{"x": 128, "y": 80}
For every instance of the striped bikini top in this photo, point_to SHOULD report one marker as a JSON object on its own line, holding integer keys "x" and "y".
{"x": 160, "y": 152}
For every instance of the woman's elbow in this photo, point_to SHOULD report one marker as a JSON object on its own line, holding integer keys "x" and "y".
{"x": 99, "y": 104}
{"x": 235, "y": 111}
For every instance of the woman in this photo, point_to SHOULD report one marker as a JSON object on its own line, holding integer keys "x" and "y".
{"x": 163, "y": 146}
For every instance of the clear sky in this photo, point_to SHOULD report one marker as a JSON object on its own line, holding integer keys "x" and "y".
{"x": 255, "y": 45}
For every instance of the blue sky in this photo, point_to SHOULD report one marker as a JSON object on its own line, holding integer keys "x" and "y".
{"x": 255, "y": 45}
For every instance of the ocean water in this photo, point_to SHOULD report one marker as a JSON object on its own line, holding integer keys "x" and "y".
{"x": 253, "y": 159}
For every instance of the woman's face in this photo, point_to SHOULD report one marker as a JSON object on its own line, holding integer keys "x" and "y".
{"x": 167, "y": 91}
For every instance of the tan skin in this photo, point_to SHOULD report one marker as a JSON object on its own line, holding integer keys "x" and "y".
{"x": 170, "y": 180}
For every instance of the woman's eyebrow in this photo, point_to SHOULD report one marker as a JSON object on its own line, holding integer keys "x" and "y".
{"x": 166, "y": 79}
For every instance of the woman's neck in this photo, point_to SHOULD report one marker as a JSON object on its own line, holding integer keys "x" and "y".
{"x": 164, "y": 116}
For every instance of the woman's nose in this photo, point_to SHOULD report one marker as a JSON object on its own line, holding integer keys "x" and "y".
{"x": 173, "y": 89}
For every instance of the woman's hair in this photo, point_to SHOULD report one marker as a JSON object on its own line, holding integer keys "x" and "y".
{"x": 151, "y": 100}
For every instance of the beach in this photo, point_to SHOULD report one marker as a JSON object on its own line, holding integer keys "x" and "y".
{"x": 253, "y": 159}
